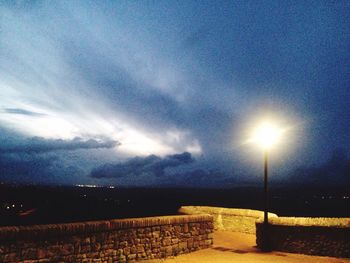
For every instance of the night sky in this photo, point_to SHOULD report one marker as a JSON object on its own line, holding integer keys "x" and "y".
{"x": 166, "y": 93}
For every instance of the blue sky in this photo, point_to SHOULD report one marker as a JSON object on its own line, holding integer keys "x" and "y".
{"x": 118, "y": 92}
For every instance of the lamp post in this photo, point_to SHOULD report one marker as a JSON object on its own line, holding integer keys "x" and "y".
{"x": 266, "y": 135}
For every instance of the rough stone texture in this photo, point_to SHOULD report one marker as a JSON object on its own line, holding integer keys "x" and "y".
{"x": 124, "y": 240}
{"x": 229, "y": 219}
{"x": 332, "y": 240}
{"x": 311, "y": 221}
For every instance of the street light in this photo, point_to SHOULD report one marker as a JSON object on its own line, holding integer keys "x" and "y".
{"x": 266, "y": 135}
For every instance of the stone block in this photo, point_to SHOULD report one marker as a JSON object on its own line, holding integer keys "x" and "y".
{"x": 127, "y": 251}
{"x": 185, "y": 228}
{"x": 67, "y": 249}
{"x": 167, "y": 250}
{"x": 144, "y": 240}
{"x": 95, "y": 247}
{"x": 155, "y": 228}
{"x": 29, "y": 253}
{"x": 123, "y": 244}
{"x": 183, "y": 246}
{"x": 140, "y": 256}
{"x": 41, "y": 253}
{"x": 166, "y": 241}
{"x": 133, "y": 250}
{"x": 140, "y": 249}
{"x": 176, "y": 249}
{"x": 156, "y": 234}
{"x": 131, "y": 257}
{"x": 11, "y": 257}
{"x": 155, "y": 244}
{"x": 85, "y": 249}
{"x": 190, "y": 242}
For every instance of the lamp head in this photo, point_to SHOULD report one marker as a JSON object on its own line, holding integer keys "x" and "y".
{"x": 266, "y": 135}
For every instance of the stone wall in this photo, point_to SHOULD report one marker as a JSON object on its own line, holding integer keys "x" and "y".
{"x": 124, "y": 240}
{"x": 229, "y": 219}
{"x": 313, "y": 236}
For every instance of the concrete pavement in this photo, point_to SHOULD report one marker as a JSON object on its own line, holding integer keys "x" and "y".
{"x": 239, "y": 247}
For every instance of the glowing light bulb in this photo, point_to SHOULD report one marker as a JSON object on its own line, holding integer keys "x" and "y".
{"x": 266, "y": 135}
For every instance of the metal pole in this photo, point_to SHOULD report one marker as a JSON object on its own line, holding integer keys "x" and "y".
{"x": 265, "y": 234}
{"x": 266, "y": 219}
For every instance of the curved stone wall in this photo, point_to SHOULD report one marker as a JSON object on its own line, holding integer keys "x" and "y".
{"x": 313, "y": 236}
{"x": 229, "y": 219}
{"x": 121, "y": 240}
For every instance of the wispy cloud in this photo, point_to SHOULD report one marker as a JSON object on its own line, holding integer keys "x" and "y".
{"x": 90, "y": 80}
{"x": 42, "y": 145}
{"x": 23, "y": 112}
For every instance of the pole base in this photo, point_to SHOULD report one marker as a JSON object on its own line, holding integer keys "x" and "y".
{"x": 265, "y": 238}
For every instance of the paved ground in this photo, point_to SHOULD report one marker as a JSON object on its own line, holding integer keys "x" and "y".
{"x": 238, "y": 247}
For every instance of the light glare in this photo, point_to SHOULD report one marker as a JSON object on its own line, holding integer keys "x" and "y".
{"x": 267, "y": 135}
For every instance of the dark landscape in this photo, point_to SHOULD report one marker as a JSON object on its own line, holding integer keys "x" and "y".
{"x": 27, "y": 205}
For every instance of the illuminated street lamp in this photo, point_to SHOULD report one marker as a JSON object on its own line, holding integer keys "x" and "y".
{"x": 266, "y": 135}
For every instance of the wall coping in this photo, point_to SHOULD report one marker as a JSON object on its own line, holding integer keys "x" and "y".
{"x": 54, "y": 230}
{"x": 309, "y": 222}
{"x": 224, "y": 211}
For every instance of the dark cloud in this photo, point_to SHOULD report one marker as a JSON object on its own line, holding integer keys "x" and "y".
{"x": 23, "y": 112}
{"x": 196, "y": 178}
{"x": 336, "y": 171}
{"x": 51, "y": 168}
{"x": 26, "y": 168}
{"x": 136, "y": 166}
{"x": 48, "y": 161}
{"x": 42, "y": 145}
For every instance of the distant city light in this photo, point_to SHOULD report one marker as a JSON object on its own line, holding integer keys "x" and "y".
{"x": 94, "y": 186}
{"x": 87, "y": 185}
